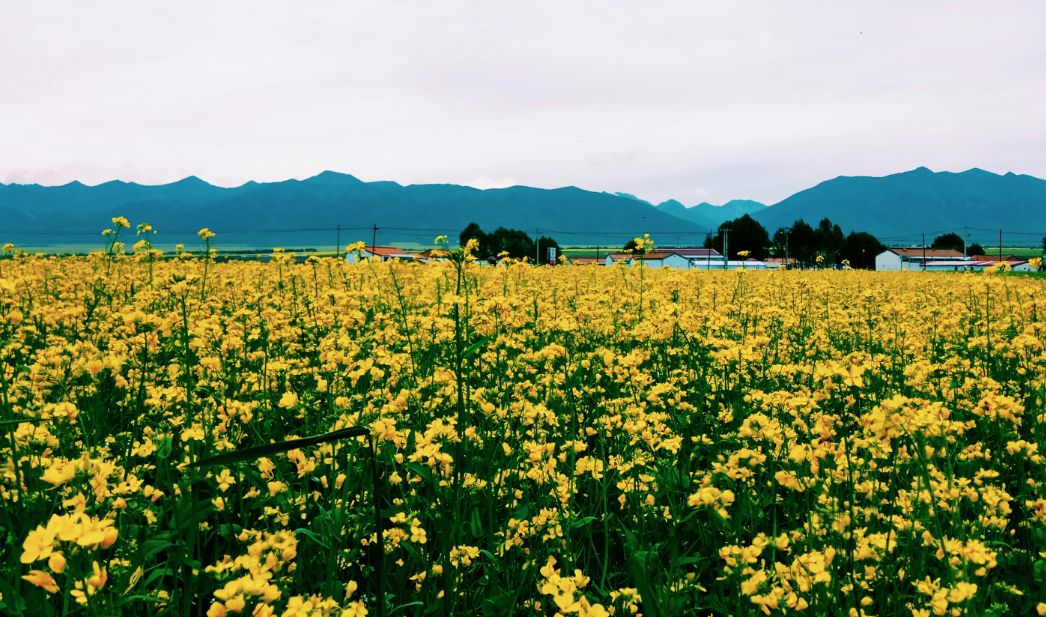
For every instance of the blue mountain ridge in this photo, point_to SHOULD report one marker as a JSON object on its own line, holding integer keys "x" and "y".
{"x": 902, "y": 204}
{"x": 410, "y": 213}
{"x": 908, "y": 204}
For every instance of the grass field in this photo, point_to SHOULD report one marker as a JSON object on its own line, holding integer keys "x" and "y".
{"x": 517, "y": 440}
{"x": 1020, "y": 252}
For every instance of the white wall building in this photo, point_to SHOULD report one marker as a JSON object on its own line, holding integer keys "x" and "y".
{"x": 679, "y": 259}
{"x": 906, "y": 258}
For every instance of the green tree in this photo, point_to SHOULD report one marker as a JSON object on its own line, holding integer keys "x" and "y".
{"x": 512, "y": 241}
{"x": 515, "y": 242}
{"x": 975, "y": 249}
{"x": 473, "y": 232}
{"x": 829, "y": 241}
{"x": 949, "y": 241}
{"x": 796, "y": 242}
{"x": 745, "y": 234}
{"x": 860, "y": 249}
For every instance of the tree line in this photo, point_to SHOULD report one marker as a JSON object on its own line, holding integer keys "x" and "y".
{"x": 505, "y": 242}
{"x": 824, "y": 245}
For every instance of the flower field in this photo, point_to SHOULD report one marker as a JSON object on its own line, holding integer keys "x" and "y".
{"x": 533, "y": 441}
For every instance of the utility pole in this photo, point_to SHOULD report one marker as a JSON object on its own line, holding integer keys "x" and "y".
{"x": 597, "y": 254}
{"x": 726, "y": 249}
{"x": 708, "y": 251}
{"x": 373, "y": 239}
{"x": 924, "y": 252}
{"x": 337, "y": 245}
{"x": 1000, "y": 245}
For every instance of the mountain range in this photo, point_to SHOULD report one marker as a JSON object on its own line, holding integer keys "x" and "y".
{"x": 711, "y": 216}
{"x": 307, "y": 212}
{"x": 974, "y": 202}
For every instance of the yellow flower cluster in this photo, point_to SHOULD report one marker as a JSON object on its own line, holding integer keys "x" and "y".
{"x": 567, "y": 593}
{"x": 68, "y": 534}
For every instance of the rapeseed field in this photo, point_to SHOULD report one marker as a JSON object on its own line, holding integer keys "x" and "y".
{"x": 187, "y": 437}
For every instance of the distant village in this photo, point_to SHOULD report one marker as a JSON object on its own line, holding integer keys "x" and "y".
{"x": 687, "y": 258}
{"x": 745, "y": 244}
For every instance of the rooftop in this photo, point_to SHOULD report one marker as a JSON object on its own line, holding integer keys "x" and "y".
{"x": 387, "y": 251}
{"x": 919, "y": 252}
{"x": 691, "y": 252}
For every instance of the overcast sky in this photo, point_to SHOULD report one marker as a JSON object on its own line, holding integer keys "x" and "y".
{"x": 688, "y": 100}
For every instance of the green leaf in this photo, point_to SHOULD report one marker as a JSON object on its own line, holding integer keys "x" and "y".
{"x": 521, "y": 512}
{"x": 474, "y": 348}
{"x": 250, "y": 454}
{"x": 312, "y": 536}
{"x": 637, "y": 561}
{"x": 419, "y": 470}
{"x": 144, "y": 598}
{"x": 403, "y": 607}
{"x": 163, "y": 449}
{"x": 582, "y": 522}
{"x": 154, "y": 546}
{"x": 154, "y": 576}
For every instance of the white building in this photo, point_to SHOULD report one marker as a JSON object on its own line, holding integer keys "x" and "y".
{"x": 938, "y": 260}
{"x": 679, "y": 259}
{"x": 948, "y": 265}
{"x": 661, "y": 259}
{"x": 907, "y": 258}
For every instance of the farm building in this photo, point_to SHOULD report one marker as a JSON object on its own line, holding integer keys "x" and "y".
{"x": 695, "y": 253}
{"x": 660, "y": 259}
{"x": 913, "y": 258}
{"x": 947, "y": 265}
{"x": 1014, "y": 264}
{"x": 1021, "y": 266}
{"x": 431, "y": 255}
{"x": 936, "y": 260}
{"x": 777, "y": 262}
{"x": 386, "y": 253}
{"x": 743, "y": 264}
{"x": 994, "y": 258}
{"x": 677, "y": 258}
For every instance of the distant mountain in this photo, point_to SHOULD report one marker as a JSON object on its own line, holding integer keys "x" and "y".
{"x": 710, "y": 216}
{"x": 693, "y": 215}
{"x": 631, "y": 196}
{"x": 303, "y": 213}
{"x": 903, "y": 206}
{"x": 316, "y": 206}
